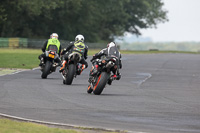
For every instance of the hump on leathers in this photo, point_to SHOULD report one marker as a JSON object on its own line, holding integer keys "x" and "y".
{"x": 113, "y": 51}
{"x": 79, "y": 47}
{"x": 79, "y": 44}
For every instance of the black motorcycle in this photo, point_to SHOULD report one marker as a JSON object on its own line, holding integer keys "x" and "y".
{"x": 49, "y": 64}
{"x": 103, "y": 76}
{"x": 72, "y": 68}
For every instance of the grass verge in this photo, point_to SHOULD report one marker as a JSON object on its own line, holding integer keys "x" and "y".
{"x": 8, "y": 125}
{"x": 19, "y": 58}
{"x": 28, "y": 58}
{"x": 11, "y": 126}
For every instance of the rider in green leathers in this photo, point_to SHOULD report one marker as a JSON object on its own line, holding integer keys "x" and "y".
{"x": 77, "y": 46}
{"x": 51, "y": 44}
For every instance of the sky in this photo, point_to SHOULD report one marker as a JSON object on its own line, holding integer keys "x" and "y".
{"x": 183, "y": 24}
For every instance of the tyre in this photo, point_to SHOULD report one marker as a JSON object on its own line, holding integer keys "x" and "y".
{"x": 46, "y": 69}
{"x": 89, "y": 90}
{"x": 101, "y": 83}
{"x": 70, "y": 74}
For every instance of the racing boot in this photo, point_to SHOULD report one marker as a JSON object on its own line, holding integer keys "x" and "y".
{"x": 41, "y": 61}
{"x": 110, "y": 80}
{"x": 80, "y": 70}
{"x": 113, "y": 77}
{"x": 94, "y": 70}
{"x": 118, "y": 76}
{"x": 62, "y": 66}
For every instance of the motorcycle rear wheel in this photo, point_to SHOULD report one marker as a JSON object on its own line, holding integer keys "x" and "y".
{"x": 101, "y": 83}
{"x": 46, "y": 69}
{"x": 70, "y": 74}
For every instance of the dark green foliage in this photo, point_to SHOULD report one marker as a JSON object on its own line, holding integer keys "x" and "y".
{"x": 97, "y": 20}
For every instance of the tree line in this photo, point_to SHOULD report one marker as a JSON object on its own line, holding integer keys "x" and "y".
{"x": 97, "y": 20}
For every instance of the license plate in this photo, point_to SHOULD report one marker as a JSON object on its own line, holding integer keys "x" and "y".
{"x": 51, "y": 56}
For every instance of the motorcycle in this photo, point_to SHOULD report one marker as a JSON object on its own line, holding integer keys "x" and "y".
{"x": 49, "y": 65}
{"x": 103, "y": 76}
{"x": 72, "y": 68}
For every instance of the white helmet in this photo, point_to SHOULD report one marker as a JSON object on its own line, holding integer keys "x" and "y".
{"x": 79, "y": 38}
{"x": 111, "y": 44}
{"x": 54, "y": 35}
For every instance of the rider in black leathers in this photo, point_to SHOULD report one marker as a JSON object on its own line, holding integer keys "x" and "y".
{"x": 79, "y": 43}
{"x": 111, "y": 50}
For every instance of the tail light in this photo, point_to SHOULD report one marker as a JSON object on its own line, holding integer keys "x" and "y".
{"x": 103, "y": 61}
{"x": 51, "y": 52}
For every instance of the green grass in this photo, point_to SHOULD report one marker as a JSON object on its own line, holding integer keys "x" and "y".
{"x": 10, "y": 126}
{"x": 93, "y": 51}
{"x": 23, "y": 58}
{"x": 19, "y": 58}
{"x": 28, "y": 58}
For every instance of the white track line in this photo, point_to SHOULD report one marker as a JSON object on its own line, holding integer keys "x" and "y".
{"x": 62, "y": 124}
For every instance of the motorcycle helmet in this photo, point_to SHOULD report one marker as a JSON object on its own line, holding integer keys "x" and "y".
{"x": 54, "y": 35}
{"x": 111, "y": 44}
{"x": 79, "y": 38}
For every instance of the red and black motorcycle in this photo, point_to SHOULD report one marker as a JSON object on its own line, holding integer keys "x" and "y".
{"x": 103, "y": 76}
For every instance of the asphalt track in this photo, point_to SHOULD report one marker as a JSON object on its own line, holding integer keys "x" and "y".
{"x": 158, "y": 93}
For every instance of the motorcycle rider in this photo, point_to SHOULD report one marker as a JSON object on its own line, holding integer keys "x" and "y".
{"x": 110, "y": 51}
{"x": 51, "y": 44}
{"x": 72, "y": 47}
